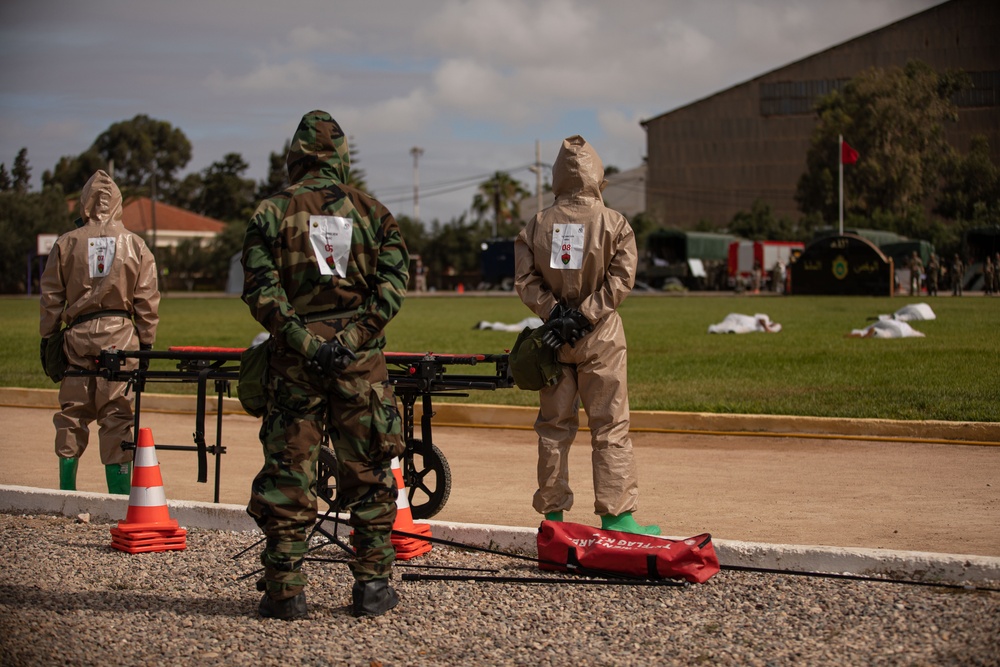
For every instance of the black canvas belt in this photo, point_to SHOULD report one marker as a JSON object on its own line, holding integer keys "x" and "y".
{"x": 325, "y": 315}
{"x": 100, "y": 313}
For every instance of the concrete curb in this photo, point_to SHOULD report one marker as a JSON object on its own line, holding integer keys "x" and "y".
{"x": 521, "y": 417}
{"x": 916, "y": 565}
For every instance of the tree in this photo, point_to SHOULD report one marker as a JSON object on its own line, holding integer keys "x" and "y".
{"x": 277, "y": 174}
{"x": 971, "y": 189}
{"x": 453, "y": 249}
{"x": 225, "y": 194}
{"x": 355, "y": 176}
{"x": 21, "y": 172}
{"x": 22, "y": 218}
{"x": 71, "y": 173}
{"x": 759, "y": 224}
{"x": 142, "y": 146}
{"x": 5, "y": 183}
{"x": 895, "y": 119}
{"x": 502, "y": 195}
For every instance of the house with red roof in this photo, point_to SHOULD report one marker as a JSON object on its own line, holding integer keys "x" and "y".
{"x": 164, "y": 226}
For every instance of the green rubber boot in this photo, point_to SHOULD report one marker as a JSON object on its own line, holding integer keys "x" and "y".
{"x": 119, "y": 477}
{"x": 67, "y": 474}
{"x": 554, "y": 516}
{"x": 626, "y": 524}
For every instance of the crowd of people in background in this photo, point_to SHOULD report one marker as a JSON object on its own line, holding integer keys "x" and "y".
{"x": 951, "y": 274}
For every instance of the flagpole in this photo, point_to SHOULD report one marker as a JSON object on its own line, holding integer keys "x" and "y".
{"x": 840, "y": 160}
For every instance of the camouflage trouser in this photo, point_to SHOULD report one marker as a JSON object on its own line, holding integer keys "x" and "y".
{"x": 283, "y": 496}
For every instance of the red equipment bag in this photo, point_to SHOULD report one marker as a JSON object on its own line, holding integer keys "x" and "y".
{"x": 567, "y": 547}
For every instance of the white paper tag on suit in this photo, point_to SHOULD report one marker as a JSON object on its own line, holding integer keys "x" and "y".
{"x": 567, "y": 247}
{"x": 101, "y": 255}
{"x": 331, "y": 241}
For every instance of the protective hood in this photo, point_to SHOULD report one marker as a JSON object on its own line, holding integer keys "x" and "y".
{"x": 318, "y": 147}
{"x": 100, "y": 200}
{"x": 578, "y": 170}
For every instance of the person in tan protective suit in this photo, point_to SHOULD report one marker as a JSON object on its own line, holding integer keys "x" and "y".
{"x": 100, "y": 281}
{"x": 575, "y": 263}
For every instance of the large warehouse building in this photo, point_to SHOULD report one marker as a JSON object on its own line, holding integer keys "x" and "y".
{"x": 712, "y": 158}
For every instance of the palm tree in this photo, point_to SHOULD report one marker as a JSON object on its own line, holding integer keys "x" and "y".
{"x": 502, "y": 194}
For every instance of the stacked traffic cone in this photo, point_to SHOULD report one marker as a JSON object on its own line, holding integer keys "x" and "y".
{"x": 406, "y": 547}
{"x": 147, "y": 526}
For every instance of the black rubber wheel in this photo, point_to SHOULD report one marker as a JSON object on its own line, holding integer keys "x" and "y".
{"x": 427, "y": 478}
{"x": 326, "y": 477}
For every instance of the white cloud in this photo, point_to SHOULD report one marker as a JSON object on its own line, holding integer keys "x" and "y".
{"x": 311, "y": 37}
{"x": 473, "y": 82}
{"x": 470, "y": 86}
{"x": 294, "y": 75}
{"x": 399, "y": 115}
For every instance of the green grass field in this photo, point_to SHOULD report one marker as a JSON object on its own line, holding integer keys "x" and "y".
{"x": 810, "y": 368}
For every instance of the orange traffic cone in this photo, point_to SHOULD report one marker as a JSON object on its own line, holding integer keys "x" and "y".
{"x": 406, "y": 547}
{"x": 147, "y": 525}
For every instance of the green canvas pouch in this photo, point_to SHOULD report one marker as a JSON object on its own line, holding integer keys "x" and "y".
{"x": 533, "y": 363}
{"x": 251, "y": 387}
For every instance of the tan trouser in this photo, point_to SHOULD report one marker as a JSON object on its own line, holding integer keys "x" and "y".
{"x": 596, "y": 375}
{"x": 83, "y": 400}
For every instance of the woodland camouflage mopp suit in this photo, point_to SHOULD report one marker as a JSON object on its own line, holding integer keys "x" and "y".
{"x": 97, "y": 280}
{"x": 575, "y": 263}
{"x": 325, "y": 271}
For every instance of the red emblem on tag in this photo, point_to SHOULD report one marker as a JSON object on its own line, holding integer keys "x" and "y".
{"x": 565, "y": 258}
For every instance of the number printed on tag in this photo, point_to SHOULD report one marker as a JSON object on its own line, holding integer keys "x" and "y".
{"x": 330, "y": 237}
{"x": 101, "y": 255}
{"x": 567, "y": 247}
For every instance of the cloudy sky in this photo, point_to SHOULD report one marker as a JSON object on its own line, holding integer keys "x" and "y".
{"x": 473, "y": 83}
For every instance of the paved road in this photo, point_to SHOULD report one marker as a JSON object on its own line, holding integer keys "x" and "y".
{"x": 916, "y": 496}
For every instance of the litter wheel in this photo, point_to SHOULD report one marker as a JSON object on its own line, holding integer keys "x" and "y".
{"x": 427, "y": 478}
{"x": 326, "y": 477}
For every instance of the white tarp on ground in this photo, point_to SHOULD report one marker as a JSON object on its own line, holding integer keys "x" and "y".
{"x": 887, "y": 329}
{"x": 533, "y": 322}
{"x": 911, "y": 313}
{"x": 739, "y": 323}
{"x": 895, "y": 325}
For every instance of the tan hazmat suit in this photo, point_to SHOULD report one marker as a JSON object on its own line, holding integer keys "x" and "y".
{"x": 582, "y": 254}
{"x": 98, "y": 267}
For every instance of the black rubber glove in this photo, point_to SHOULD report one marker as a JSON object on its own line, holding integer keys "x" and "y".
{"x": 565, "y": 325}
{"x": 333, "y": 358}
{"x": 45, "y": 341}
{"x": 144, "y": 363}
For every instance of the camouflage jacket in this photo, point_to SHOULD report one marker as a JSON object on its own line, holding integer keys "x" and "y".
{"x": 293, "y": 274}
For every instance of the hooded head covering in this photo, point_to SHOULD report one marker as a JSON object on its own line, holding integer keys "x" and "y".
{"x": 318, "y": 145}
{"x": 578, "y": 170}
{"x": 100, "y": 200}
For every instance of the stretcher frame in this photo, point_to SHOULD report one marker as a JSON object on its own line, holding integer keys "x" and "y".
{"x": 414, "y": 376}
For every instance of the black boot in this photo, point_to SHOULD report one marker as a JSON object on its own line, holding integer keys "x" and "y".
{"x": 289, "y": 609}
{"x": 372, "y": 598}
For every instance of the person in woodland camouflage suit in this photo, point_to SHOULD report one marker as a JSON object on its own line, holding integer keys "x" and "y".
{"x": 933, "y": 275}
{"x": 326, "y": 269}
{"x": 957, "y": 274}
{"x": 916, "y": 268}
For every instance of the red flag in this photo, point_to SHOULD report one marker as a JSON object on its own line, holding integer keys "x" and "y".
{"x": 847, "y": 154}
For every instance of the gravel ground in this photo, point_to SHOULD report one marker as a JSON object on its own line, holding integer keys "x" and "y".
{"x": 67, "y": 598}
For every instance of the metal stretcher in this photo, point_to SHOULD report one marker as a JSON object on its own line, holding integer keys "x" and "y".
{"x": 426, "y": 473}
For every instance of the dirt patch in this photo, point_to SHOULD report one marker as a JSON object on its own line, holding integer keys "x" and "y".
{"x": 850, "y": 493}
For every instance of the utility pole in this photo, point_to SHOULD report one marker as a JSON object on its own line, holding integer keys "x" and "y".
{"x": 537, "y": 170}
{"x": 152, "y": 214}
{"x": 416, "y": 152}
